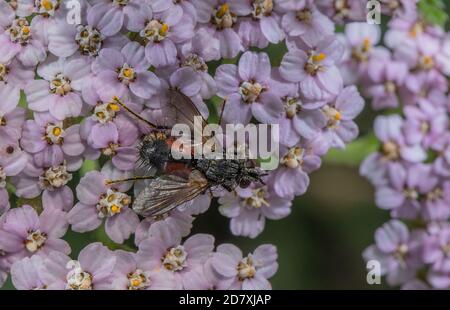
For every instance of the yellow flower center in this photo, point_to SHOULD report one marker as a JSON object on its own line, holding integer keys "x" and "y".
{"x": 223, "y": 17}
{"x": 47, "y": 4}
{"x": 314, "y": 63}
{"x": 112, "y": 203}
{"x": 223, "y": 9}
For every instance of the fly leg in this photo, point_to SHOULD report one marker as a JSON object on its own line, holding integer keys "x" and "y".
{"x": 224, "y": 101}
{"x": 119, "y": 102}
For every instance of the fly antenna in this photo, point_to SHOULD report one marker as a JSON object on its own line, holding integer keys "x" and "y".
{"x": 119, "y": 102}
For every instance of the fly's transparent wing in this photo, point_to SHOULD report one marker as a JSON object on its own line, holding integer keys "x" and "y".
{"x": 181, "y": 110}
{"x": 169, "y": 191}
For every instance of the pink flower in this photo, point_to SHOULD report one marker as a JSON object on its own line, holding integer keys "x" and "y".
{"x": 247, "y": 89}
{"x": 340, "y": 128}
{"x": 59, "y": 90}
{"x": 218, "y": 18}
{"x": 98, "y": 201}
{"x": 25, "y": 233}
{"x": 93, "y": 270}
{"x": 85, "y": 39}
{"x": 116, "y": 140}
{"x": 179, "y": 223}
{"x": 130, "y": 275}
{"x": 112, "y": 16}
{"x": 125, "y": 71}
{"x": 51, "y": 182}
{"x": 11, "y": 116}
{"x": 314, "y": 67}
{"x": 305, "y": 20}
{"x": 342, "y": 11}
{"x": 185, "y": 261}
{"x": 263, "y": 25}
{"x": 396, "y": 250}
{"x": 291, "y": 178}
{"x": 13, "y": 78}
{"x": 49, "y": 142}
{"x": 19, "y": 39}
{"x": 248, "y": 208}
{"x": 230, "y": 270}
{"x": 163, "y": 32}
{"x": 25, "y": 274}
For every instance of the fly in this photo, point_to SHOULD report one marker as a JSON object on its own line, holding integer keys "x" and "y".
{"x": 176, "y": 181}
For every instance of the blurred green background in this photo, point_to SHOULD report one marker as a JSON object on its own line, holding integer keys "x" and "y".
{"x": 321, "y": 242}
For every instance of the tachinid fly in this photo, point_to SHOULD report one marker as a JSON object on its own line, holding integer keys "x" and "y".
{"x": 176, "y": 181}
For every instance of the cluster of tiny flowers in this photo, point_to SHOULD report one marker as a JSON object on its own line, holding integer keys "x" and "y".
{"x": 66, "y": 72}
{"x": 411, "y": 169}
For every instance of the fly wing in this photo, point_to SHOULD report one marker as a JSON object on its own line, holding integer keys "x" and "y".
{"x": 169, "y": 191}
{"x": 181, "y": 110}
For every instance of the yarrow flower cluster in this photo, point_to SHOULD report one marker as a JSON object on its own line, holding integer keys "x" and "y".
{"x": 410, "y": 171}
{"x": 72, "y": 81}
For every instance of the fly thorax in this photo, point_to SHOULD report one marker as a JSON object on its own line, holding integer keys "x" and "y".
{"x": 223, "y": 18}
{"x": 137, "y": 280}
{"x": 175, "y": 259}
{"x": 155, "y": 31}
{"x": 112, "y": 203}
{"x": 294, "y": 157}
{"x": 89, "y": 40}
{"x": 54, "y": 133}
{"x": 55, "y": 177}
{"x": 246, "y": 268}
{"x": 105, "y": 112}
{"x": 19, "y": 31}
{"x": 78, "y": 279}
{"x": 35, "y": 240}
{"x": 262, "y": 8}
